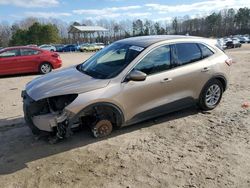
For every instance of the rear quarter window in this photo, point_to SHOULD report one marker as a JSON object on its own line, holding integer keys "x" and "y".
{"x": 187, "y": 53}
{"x": 206, "y": 52}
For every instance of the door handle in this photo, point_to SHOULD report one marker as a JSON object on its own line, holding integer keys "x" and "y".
{"x": 205, "y": 69}
{"x": 166, "y": 80}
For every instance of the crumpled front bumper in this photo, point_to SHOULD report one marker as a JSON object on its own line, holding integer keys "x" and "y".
{"x": 38, "y": 116}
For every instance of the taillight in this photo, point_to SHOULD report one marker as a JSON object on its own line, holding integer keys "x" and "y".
{"x": 229, "y": 62}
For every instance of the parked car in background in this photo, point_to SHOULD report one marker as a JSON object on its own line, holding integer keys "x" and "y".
{"x": 99, "y": 46}
{"x": 244, "y": 40}
{"x": 221, "y": 43}
{"x": 32, "y": 45}
{"x": 132, "y": 80}
{"x": 78, "y": 46}
{"x": 59, "y": 47}
{"x": 236, "y": 43}
{"x": 227, "y": 39}
{"x": 69, "y": 48}
{"x": 48, "y": 47}
{"x": 229, "y": 44}
{"x": 16, "y": 60}
{"x": 88, "y": 48}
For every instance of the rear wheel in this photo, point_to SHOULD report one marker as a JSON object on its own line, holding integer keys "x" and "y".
{"x": 211, "y": 95}
{"x": 45, "y": 68}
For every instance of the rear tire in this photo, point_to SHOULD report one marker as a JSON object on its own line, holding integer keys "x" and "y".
{"x": 211, "y": 95}
{"x": 45, "y": 68}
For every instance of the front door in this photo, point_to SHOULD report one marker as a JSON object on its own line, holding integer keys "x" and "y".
{"x": 9, "y": 61}
{"x": 142, "y": 99}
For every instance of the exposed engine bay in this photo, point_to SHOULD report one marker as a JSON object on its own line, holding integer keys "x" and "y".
{"x": 48, "y": 114}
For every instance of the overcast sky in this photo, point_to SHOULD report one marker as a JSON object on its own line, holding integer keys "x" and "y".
{"x": 77, "y": 10}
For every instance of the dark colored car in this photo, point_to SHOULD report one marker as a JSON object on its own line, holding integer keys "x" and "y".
{"x": 236, "y": 43}
{"x": 69, "y": 48}
{"x": 233, "y": 44}
{"x": 59, "y": 47}
{"x": 25, "y": 59}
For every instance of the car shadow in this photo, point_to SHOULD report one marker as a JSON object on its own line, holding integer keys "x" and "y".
{"x": 19, "y": 146}
{"x": 11, "y": 122}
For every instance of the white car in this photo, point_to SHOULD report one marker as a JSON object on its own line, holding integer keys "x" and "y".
{"x": 48, "y": 47}
{"x": 100, "y": 45}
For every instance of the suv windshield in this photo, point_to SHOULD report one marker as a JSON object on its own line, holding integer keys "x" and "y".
{"x": 110, "y": 61}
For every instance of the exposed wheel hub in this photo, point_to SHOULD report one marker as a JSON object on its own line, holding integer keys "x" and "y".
{"x": 102, "y": 128}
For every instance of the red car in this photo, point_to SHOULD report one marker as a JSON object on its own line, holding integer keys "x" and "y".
{"x": 16, "y": 60}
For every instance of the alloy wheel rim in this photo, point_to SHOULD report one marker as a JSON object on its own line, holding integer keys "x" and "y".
{"x": 213, "y": 95}
{"x": 45, "y": 68}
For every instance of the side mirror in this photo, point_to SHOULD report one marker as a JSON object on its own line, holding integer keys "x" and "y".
{"x": 136, "y": 75}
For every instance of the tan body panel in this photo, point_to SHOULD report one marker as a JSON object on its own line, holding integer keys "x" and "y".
{"x": 136, "y": 97}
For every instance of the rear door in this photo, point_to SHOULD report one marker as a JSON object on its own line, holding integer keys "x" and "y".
{"x": 192, "y": 69}
{"x": 29, "y": 60}
{"x": 9, "y": 61}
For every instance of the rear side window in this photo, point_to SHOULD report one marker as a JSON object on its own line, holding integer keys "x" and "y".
{"x": 158, "y": 60}
{"x": 26, "y": 52}
{"x": 206, "y": 52}
{"x": 10, "y": 53}
{"x": 186, "y": 53}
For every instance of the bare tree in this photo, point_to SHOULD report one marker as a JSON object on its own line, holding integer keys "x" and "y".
{"x": 5, "y": 34}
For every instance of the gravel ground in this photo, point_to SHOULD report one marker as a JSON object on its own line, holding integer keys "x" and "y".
{"x": 188, "y": 148}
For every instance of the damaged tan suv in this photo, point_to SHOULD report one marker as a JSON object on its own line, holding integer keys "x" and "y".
{"x": 127, "y": 82}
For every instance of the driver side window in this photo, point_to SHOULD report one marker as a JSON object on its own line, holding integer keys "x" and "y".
{"x": 156, "y": 61}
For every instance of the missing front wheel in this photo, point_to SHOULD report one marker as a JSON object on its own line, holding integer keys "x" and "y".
{"x": 102, "y": 128}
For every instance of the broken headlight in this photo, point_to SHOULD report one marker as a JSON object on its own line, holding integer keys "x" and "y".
{"x": 58, "y": 103}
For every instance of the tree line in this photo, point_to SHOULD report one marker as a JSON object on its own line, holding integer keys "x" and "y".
{"x": 40, "y": 31}
{"x": 36, "y": 34}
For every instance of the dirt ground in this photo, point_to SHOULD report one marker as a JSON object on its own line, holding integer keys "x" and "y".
{"x": 188, "y": 148}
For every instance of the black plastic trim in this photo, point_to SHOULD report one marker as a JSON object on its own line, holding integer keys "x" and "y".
{"x": 162, "y": 110}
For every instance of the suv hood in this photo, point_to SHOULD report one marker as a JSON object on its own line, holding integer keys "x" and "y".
{"x": 63, "y": 82}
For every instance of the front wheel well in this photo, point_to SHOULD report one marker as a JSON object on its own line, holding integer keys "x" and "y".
{"x": 102, "y": 111}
